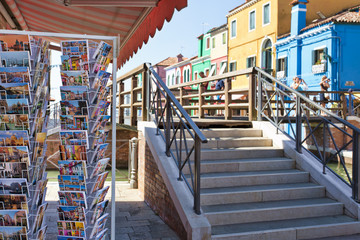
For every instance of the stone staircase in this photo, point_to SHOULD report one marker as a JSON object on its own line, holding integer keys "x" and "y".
{"x": 251, "y": 191}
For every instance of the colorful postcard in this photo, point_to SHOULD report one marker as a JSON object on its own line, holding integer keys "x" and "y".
{"x": 100, "y": 137}
{"x": 75, "y": 78}
{"x": 77, "y": 137}
{"x": 15, "y": 59}
{"x": 14, "y": 138}
{"x": 100, "y": 123}
{"x": 99, "y": 225}
{"x": 102, "y": 235}
{"x": 39, "y": 217}
{"x": 101, "y": 95}
{"x": 77, "y": 122}
{"x": 39, "y": 169}
{"x": 15, "y": 75}
{"x": 99, "y": 210}
{"x": 13, "y": 186}
{"x": 71, "y": 213}
{"x": 74, "y": 63}
{"x": 72, "y": 167}
{"x": 74, "y": 107}
{"x": 99, "y": 196}
{"x": 72, "y": 198}
{"x": 103, "y": 49}
{"x": 39, "y": 193}
{"x": 40, "y": 139}
{"x": 100, "y": 167}
{"x": 12, "y": 42}
{"x": 16, "y": 233}
{"x": 73, "y": 152}
{"x": 14, "y": 154}
{"x": 69, "y": 238}
{"x": 72, "y": 183}
{"x": 41, "y": 234}
{"x": 14, "y": 106}
{"x": 14, "y": 122}
{"x": 100, "y": 152}
{"x": 15, "y": 91}
{"x": 100, "y": 108}
{"x": 74, "y": 47}
{"x": 99, "y": 182}
{"x": 71, "y": 228}
{"x": 73, "y": 93}
{"x": 14, "y": 218}
{"x": 101, "y": 79}
{"x": 14, "y": 170}
{"x": 13, "y": 201}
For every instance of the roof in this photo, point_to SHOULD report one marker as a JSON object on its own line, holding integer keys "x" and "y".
{"x": 243, "y": 6}
{"x": 170, "y": 61}
{"x": 133, "y": 21}
{"x": 182, "y": 63}
{"x": 224, "y": 26}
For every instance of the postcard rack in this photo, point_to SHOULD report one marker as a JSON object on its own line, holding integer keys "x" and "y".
{"x": 82, "y": 164}
{"x": 24, "y": 95}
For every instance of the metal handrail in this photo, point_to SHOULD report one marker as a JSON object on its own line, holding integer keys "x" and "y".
{"x": 165, "y": 113}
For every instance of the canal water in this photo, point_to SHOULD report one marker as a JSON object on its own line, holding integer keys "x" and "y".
{"x": 339, "y": 169}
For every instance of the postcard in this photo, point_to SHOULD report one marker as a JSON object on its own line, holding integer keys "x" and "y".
{"x": 15, "y": 75}
{"x": 74, "y": 47}
{"x": 13, "y": 186}
{"x": 75, "y": 78}
{"x": 99, "y": 225}
{"x": 100, "y": 137}
{"x": 73, "y": 93}
{"x": 76, "y": 137}
{"x": 103, "y": 49}
{"x": 14, "y": 170}
{"x": 40, "y": 138}
{"x": 72, "y": 167}
{"x": 14, "y": 106}
{"x": 72, "y": 198}
{"x": 39, "y": 169}
{"x": 12, "y": 42}
{"x": 100, "y": 108}
{"x": 14, "y": 138}
{"x": 101, "y": 79}
{"x": 99, "y": 196}
{"x": 101, "y": 235}
{"x": 99, "y": 182}
{"x": 14, "y": 122}
{"x": 101, "y": 95}
{"x": 100, "y": 122}
{"x": 9, "y": 233}
{"x": 15, "y": 59}
{"x": 69, "y": 238}
{"x": 71, "y": 213}
{"x": 71, "y": 228}
{"x": 77, "y": 122}
{"x": 14, "y": 218}
{"x": 39, "y": 193}
{"x": 74, "y": 63}
{"x": 74, "y": 107}
{"x": 72, "y": 183}
{"x": 41, "y": 234}
{"x": 100, "y": 167}
{"x": 14, "y": 154}
{"x": 73, "y": 152}
{"x": 13, "y": 201}
{"x": 99, "y": 210}
{"x": 39, "y": 217}
{"x": 15, "y": 91}
{"x": 100, "y": 152}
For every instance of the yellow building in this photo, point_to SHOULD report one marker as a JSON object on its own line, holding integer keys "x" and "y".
{"x": 255, "y": 25}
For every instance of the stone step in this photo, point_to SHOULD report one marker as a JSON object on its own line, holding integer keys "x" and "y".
{"x": 271, "y": 211}
{"x": 232, "y": 179}
{"x": 252, "y": 164}
{"x": 291, "y": 229}
{"x": 261, "y": 193}
{"x": 229, "y": 132}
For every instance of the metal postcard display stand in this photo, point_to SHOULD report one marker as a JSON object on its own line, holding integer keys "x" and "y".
{"x": 91, "y": 183}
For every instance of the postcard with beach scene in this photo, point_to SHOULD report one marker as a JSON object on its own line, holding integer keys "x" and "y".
{"x": 74, "y": 107}
{"x": 13, "y": 218}
{"x": 73, "y": 152}
{"x": 14, "y": 138}
{"x": 99, "y": 182}
{"x": 100, "y": 123}
{"x": 75, "y": 78}
{"x": 100, "y": 137}
{"x": 100, "y": 108}
{"x": 15, "y": 59}
{"x": 13, "y": 201}
{"x": 9, "y": 233}
{"x": 14, "y": 170}
{"x": 71, "y": 213}
{"x": 72, "y": 198}
{"x": 39, "y": 217}
{"x": 99, "y": 196}
{"x": 14, "y": 122}
{"x": 14, "y": 106}
{"x": 76, "y": 137}
{"x": 71, "y": 228}
{"x": 72, "y": 183}
{"x": 73, "y": 93}
{"x": 100, "y": 167}
{"x": 15, "y": 75}
{"x": 99, "y": 210}
{"x": 71, "y": 122}
{"x": 14, "y": 154}
{"x": 12, "y": 42}
{"x": 72, "y": 167}
{"x": 15, "y": 91}
{"x": 99, "y": 225}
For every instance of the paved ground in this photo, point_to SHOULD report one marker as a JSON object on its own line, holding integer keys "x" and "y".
{"x": 134, "y": 219}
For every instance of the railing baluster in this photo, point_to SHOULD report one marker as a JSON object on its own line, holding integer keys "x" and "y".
{"x": 356, "y": 167}
{"x": 259, "y": 97}
{"x": 168, "y": 126}
{"x": 197, "y": 158}
{"x": 298, "y": 125}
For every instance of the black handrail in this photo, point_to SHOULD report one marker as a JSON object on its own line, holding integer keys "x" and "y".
{"x": 330, "y": 121}
{"x": 173, "y": 122}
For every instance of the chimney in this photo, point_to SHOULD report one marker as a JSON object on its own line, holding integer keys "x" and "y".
{"x": 180, "y": 57}
{"x": 298, "y": 16}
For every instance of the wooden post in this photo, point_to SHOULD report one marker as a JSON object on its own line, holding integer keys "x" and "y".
{"x": 121, "y": 102}
{"x": 133, "y": 113}
{"x": 201, "y": 100}
{"x": 228, "y": 112}
{"x": 344, "y": 105}
{"x": 252, "y": 98}
{"x": 144, "y": 96}
{"x": 181, "y": 96}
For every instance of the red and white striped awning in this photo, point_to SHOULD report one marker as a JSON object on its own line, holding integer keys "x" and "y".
{"x": 133, "y": 20}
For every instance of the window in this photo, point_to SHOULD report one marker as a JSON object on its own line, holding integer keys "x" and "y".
{"x": 252, "y": 20}
{"x": 281, "y": 67}
{"x": 206, "y": 72}
{"x": 266, "y": 14}
{"x": 213, "y": 42}
{"x": 188, "y": 75}
{"x": 184, "y": 76}
{"x": 224, "y": 38}
{"x": 318, "y": 56}
{"x": 223, "y": 67}
{"x": 213, "y": 70}
{"x": 168, "y": 81}
{"x": 207, "y": 43}
{"x": 233, "y": 29}
{"x": 178, "y": 75}
{"x": 250, "y": 62}
{"x": 232, "y": 66}
{"x": 173, "y": 80}
{"x": 195, "y": 75}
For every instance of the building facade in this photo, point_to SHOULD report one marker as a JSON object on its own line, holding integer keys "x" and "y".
{"x": 218, "y": 52}
{"x": 179, "y": 72}
{"x": 203, "y": 61}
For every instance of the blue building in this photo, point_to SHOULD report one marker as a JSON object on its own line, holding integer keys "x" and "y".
{"x": 329, "y": 46}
